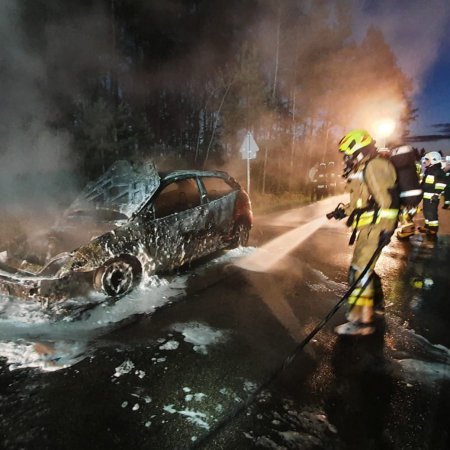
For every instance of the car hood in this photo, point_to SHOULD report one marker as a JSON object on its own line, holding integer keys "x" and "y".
{"x": 102, "y": 206}
{"x": 122, "y": 188}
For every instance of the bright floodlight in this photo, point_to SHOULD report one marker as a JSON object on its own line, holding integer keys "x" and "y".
{"x": 385, "y": 128}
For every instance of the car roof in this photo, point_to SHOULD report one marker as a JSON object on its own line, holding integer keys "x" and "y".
{"x": 177, "y": 174}
{"x": 192, "y": 173}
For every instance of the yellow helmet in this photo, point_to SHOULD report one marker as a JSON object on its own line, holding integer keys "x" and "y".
{"x": 354, "y": 141}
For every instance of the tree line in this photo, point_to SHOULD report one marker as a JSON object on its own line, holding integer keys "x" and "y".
{"x": 182, "y": 81}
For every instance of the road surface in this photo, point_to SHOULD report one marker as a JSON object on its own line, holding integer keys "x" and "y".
{"x": 194, "y": 359}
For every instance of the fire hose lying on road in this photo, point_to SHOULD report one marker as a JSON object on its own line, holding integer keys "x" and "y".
{"x": 201, "y": 442}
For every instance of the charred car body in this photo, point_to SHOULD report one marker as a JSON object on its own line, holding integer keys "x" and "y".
{"x": 132, "y": 221}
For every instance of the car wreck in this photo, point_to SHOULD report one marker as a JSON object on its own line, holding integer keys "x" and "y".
{"x": 132, "y": 222}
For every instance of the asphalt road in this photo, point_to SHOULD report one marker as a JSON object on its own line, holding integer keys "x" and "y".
{"x": 199, "y": 360}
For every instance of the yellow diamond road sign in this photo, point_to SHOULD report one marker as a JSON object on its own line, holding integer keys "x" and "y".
{"x": 249, "y": 147}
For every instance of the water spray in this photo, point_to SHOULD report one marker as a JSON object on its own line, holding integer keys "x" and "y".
{"x": 267, "y": 256}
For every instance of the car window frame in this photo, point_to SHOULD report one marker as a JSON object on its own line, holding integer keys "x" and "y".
{"x": 233, "y": 186}
{"x": 149, "y": 207}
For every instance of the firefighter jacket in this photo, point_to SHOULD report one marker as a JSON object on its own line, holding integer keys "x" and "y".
{"x": 434, "y": 182}
{"x": 372, "y": 211}
{"x": 374, "y": 197}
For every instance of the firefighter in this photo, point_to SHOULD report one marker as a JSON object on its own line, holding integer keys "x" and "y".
{"x": 312, "y": 175}
{"x": 447, "y": 187}
{"x": 433, "y": 185}
{"x": 331, "y": 178}
{"x": 322, "y": 187}
{"x": 372, "y": 212}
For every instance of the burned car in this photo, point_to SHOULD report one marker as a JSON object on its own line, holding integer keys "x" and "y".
{"x": 133, "y": 221}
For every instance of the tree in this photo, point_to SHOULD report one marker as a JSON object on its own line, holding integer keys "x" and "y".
{"x": 187, "y": 78}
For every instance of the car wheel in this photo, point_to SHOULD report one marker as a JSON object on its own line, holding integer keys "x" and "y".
{"x": 117, "y": 277}
{"x": 241, "y": 235}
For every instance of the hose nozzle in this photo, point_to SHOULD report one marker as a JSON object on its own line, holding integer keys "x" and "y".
{"x": 338, "y": 213}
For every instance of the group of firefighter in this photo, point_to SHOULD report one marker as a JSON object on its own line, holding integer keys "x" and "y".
{"x": 323, "y": 180}
{"x": 386, "y": 189}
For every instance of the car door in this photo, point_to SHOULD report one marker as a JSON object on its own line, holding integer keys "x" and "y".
{"x": 178, "y": 217}
{"x": 221, "y": 198}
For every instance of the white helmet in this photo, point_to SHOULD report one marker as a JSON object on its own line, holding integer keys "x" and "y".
{"x": 433, "y": 157}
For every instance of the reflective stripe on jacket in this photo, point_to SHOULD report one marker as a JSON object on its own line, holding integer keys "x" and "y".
{"x": 372, "y": 217}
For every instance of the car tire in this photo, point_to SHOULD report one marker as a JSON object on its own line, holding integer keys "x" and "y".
{"x": 118, "y": 276}
{"x": 241, "y": 234}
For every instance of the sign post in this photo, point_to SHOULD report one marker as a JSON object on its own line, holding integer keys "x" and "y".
{"x": 248, "y": 151}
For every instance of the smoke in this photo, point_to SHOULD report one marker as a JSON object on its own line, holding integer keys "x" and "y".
{"x": 44, "y": 63}
{"x": 31, "y": 152}
{"x": 295, "y": 57}
{"x": 416, "y": 30}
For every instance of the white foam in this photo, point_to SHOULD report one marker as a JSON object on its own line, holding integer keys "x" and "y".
{"x": 67, "y": 327}
{"x": 200, "y": 335}
{"x": 44, "y": 356}
{"x": 170, "y": 345}
{"x": 126, "y": 367}
{"x": 19, "y": 317}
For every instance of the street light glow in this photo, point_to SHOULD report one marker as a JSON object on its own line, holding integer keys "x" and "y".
{"x": 384, "y": 128}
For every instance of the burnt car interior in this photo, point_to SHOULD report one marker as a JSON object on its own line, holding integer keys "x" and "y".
{"x": 215, "y": 187}
{"x": 176, "y": 197}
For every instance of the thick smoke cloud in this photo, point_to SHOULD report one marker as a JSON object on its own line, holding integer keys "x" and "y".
{"x": 191, "y": 50}
{"x": 30, "y": 151}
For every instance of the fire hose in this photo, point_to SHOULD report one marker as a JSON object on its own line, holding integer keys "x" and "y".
{"x": 201, "y": 442}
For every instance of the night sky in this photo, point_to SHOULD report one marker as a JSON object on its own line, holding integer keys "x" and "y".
{"x": 419, "y": 33}
{"x": 434, "y": 102}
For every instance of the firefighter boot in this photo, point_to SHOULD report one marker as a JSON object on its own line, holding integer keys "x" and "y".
{"x": 354, "y": 329}
{"x": 423, "y": 229}
{"x": 431, "y": 235}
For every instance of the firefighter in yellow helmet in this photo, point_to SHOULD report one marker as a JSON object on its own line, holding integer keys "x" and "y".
{"x": 372, "y": 212}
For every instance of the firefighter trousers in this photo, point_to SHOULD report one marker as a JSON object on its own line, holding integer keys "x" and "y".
{"x": 368, "y": 292}
{"x": 430, "y": 212}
